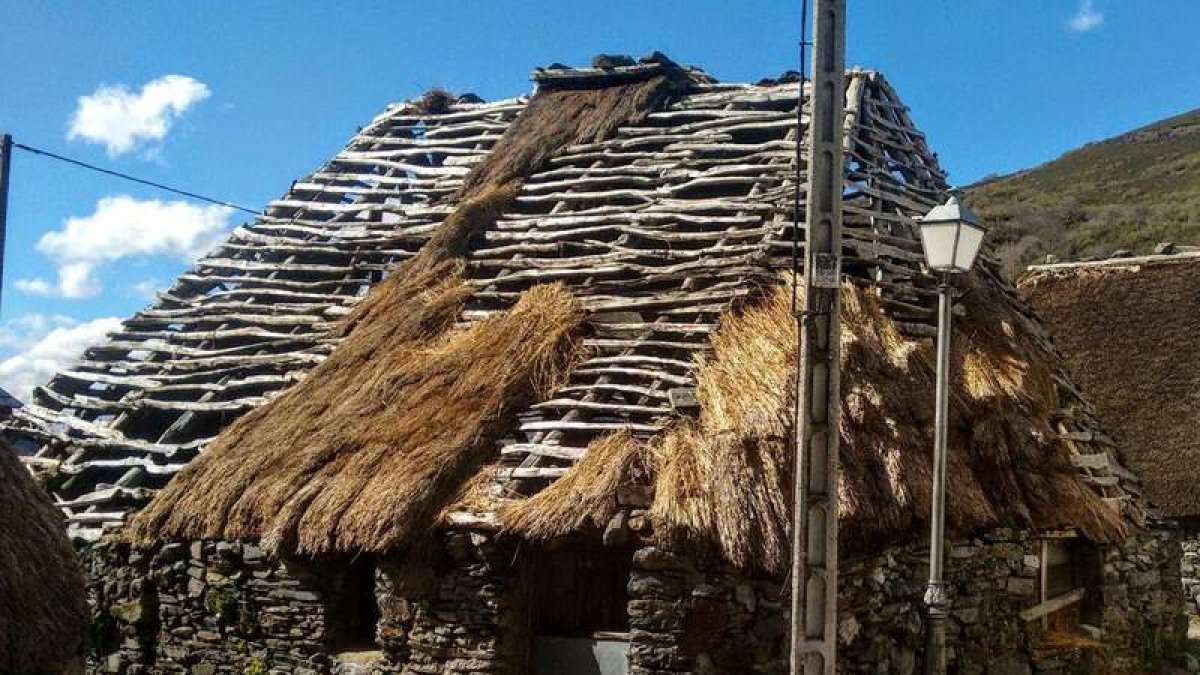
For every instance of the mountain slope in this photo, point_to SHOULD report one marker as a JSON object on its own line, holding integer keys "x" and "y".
{"x": 1128, "y": 192}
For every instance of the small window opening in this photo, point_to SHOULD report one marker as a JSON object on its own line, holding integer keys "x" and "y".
{"x": 1070, "y": 604}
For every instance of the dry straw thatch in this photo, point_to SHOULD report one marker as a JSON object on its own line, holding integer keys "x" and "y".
{"x": 1129, "y": 334}
{"x": 556, "y": 118}
{"x": 584, "y": 498}
{"x": 724, "y": 479}
{"x": 366, "y": 452}
{"x": 43, "y": 603}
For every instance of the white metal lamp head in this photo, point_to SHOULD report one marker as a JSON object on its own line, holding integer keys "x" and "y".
{"x": 951, "y": 237}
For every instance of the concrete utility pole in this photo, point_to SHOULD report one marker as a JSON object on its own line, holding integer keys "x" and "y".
{"x": 814, "y": 547}
{"x": 5, "y": 165}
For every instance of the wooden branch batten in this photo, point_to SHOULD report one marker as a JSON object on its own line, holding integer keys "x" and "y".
{"x": 251, "y": 317}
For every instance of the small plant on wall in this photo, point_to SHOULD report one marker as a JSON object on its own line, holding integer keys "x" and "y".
{"x": 257, "y": 666}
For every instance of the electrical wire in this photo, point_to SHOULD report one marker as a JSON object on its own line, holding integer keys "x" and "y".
{"x": 800, "y": 132}
{"x": 804, "y": 45}
{"x": 118, "y": 174}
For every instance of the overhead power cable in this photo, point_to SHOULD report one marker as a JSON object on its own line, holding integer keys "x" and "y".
{"x": 797, "y": 203}
{"x": 800, "y": 131}
{"x": 135, "y": 179}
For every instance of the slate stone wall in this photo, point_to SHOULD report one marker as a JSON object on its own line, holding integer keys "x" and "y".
{"x": 205, "y": 608}
{"x": 461, "y": 609}
{"x": 225, "y": 607}
{"x": 1144, "y": 619}
{"x": 467, "y": 616}
{"x": 691, "y": 615}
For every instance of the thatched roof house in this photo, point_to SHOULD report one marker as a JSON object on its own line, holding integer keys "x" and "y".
{"x": 562, "y": 321}
{"x": 43, "y": 607}
{"x": 1129, "y": 329}
{"x": 582, "y": 303}
{"x": 650, "y": 217}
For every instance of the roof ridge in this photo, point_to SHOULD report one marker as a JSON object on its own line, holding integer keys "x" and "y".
{"x": 1117, "y": 262}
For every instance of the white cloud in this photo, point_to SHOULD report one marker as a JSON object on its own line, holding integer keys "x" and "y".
{"x": 124, "y": 227}
{"x": 121, "y": 119}
{"x": 38, "y": 346}
{"x": 1086, "y": 18}
{"x": 37, "y": 286}
{"x": 75, "y": 280}
{"x": 147, "y": 288}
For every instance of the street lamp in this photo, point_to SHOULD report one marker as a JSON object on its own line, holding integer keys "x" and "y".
{"x": 951, "y": 237}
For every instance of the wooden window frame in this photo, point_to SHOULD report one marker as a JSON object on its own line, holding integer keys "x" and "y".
{"x": 1048, "y": 605}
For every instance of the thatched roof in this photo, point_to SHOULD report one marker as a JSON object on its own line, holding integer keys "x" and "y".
{"x": 611, "y": 231}
{"x": 365, "y": 453}
{"x": 43, "y": 605}
{"x": 1128, "y": 330}
{"x": 725, "y": 477}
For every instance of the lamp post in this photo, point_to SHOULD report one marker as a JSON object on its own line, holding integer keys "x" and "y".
{"x": 951, "y": 237}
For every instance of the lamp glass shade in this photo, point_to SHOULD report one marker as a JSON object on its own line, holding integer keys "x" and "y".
{"x": 970, "y": 237}
{"x": 939, "y": 242}
{"x": 951, "y": 237}
{"x": 950, "y": 246}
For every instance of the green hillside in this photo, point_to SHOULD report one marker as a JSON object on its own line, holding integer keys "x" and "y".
{"x": 1128, "y": 192}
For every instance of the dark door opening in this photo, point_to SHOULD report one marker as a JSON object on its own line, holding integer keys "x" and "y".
{"x": 579, "y": 598}
{"x": 578, "y": 591}
{"x": 351, "y": 610}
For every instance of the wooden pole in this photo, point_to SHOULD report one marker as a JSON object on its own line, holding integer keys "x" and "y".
{"x": 5, "y": 166}
{"x": 814, "y": 547}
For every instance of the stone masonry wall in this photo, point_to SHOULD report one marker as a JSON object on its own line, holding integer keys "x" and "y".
{"x": 222, "y": 607}
{"x": 225, "y": 607}
{"x": 693, "y": 616}
{"x": 466, "y": 617}
{"x": 685, "y": 618}
{"x": 124, "y": 609}
{"x": 1144, "y": 619}
{"x": 204, "y": 608}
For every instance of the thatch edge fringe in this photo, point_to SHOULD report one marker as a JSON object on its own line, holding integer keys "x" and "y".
{"x": 198, "y": 505}
{"x": 585, "y": 497}
{"x": 312, "y": 479}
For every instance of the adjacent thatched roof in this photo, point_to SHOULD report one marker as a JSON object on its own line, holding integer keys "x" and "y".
{"x": 1129, "y": 330}
{"x": 43, "y": 605}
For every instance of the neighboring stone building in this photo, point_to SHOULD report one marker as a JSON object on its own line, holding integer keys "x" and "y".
{"x": 1130, "y": 329}
{"x": 555, "y": 438}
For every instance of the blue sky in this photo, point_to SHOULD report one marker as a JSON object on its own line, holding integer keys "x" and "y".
{"x": 268, "y": 90}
